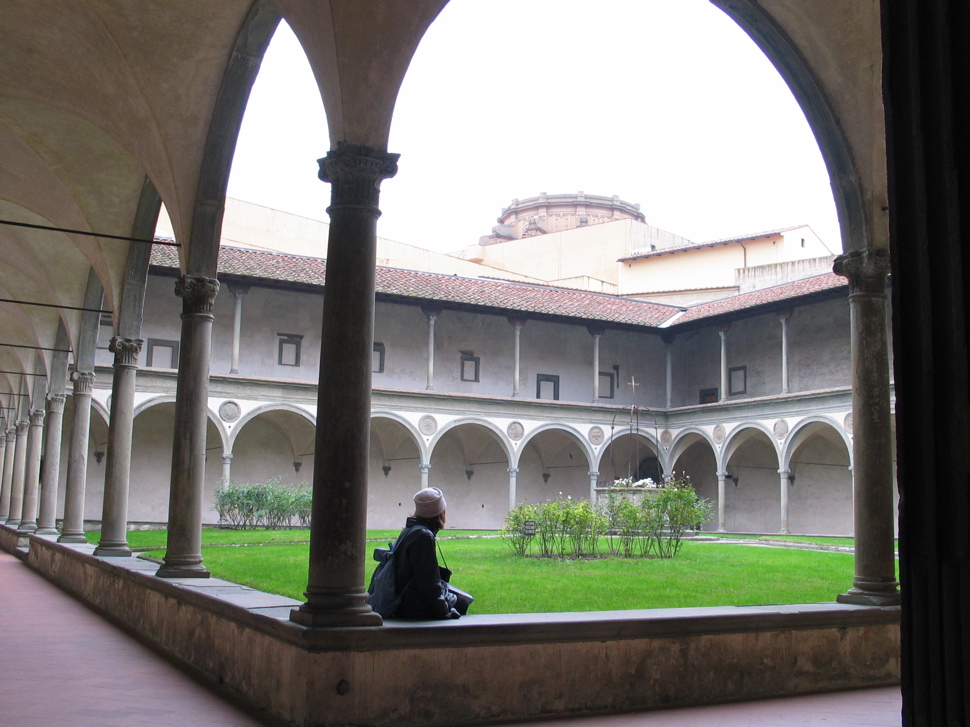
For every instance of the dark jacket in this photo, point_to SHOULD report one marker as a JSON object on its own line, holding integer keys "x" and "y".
{"x": 416, "y": 572}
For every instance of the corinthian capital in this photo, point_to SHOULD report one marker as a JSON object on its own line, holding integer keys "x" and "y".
{"x": 55, "y": 403}
{"x": 126, "y": 350}
{"x": 83, "y": 382}
{"x": 865, "y": 269}
{"x": 355, "y": 174}
{"x": 197, "y": 293}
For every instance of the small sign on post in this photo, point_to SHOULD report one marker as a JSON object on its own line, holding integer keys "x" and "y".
{"x": 529, "y": 527}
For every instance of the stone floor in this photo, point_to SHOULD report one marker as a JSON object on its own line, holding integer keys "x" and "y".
{"x": 61, "y": 664}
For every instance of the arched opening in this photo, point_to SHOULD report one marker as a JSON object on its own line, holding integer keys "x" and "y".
{"x": 693, "y": 457}
{"x": 552, "y": 463}
{"x": 394, "y": 474}
{"x": 820, "y": 493}
{"x": 275, "y": 445}
{"x": 630, "y": 455}
{"x": 752, "y": 502}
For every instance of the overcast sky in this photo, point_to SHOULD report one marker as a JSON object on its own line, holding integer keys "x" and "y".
{"x": 666, "y": 103}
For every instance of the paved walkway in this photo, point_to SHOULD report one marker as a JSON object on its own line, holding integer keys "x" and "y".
{"x": 61, "y": 664}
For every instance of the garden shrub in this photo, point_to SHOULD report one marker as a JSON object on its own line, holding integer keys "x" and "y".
{"x": 270, "y": 504}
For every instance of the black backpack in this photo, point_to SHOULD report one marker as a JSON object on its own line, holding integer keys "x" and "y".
{"x": 384, "y": 595}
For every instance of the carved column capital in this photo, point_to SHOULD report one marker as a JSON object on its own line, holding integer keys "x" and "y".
{"x": 22, "y": 425}
{"x": 55, "y": 403}
{"x": 126, "y": 350}
{"x": 355, "y": 174}
{"x": 37, "y": 417}
{"x": 865, "y": 269}
{"x": 197, "y": 293}
{"x": 83, "y": 382}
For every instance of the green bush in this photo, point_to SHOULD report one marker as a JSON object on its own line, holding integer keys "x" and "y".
{"x": 561, "y": 528}
{"x": 270, "y": 504}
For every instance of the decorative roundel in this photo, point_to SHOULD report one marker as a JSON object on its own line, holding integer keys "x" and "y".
{"x": 666, "y": 437}
{"x": 595, "y": 435}
{"x": 229, "y": 411}
{"x": 719, "y": 434}
{"x": 515, "y": 430}
{"x": 847, "y": 422}
{"x": 428, "y": 425}
{"x": 781, "y": 429}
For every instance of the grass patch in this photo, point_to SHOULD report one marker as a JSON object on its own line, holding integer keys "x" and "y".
{"x": 704, "y": 574}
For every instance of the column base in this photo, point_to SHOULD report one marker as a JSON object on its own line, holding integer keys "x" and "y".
{"x": 47, "y": 531}
{"x": 183, "y": 571}
{"x": 13, "y": 524}
{"x": 113, "y": 551}
{"x": 72, "y": 538}
{"x": 27, "y": 527}
{"x": 872, "y": 593}
{"x": 335, "y": 619}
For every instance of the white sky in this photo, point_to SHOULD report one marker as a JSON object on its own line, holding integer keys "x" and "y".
{"x": 666, "y": 103}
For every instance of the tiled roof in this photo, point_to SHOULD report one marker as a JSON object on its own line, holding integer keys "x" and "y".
{"x": 765, "y": 296}
{"x": 708, "y": 243}
{"x": 509, "y": 297}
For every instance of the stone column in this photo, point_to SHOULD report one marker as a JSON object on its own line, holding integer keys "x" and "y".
{"x": 226, "y": 467}
{"x": 238, "y": 292}
{"x": 114, "y": 517}
{"x": 35, "y": 442}
{"x": 722, "y": 332}
{"x": 19, "y": 471}
{"x": 336, "y": 594}
{"x": 432, "y": 314}
{"x": 721, "y": 496}
{"x": 50, "y": 472}
{"x": 425, "y": 473}
{"x": 593, "y": 481}
{"x": 72, "y": 530}
{"x": 783, "y": 483}
{"x": 517, "y": 324}
{"x": 875, "y": 566}
{"x": 513, "y": 475}
{"x": 10, "y": 445}
{"x": 783, "y": 317}
{"x": 596, "y": 333}
{"x": 183, "y": 558}
{"x": 670, "y": 375}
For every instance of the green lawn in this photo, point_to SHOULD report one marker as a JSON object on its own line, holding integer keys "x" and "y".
{"x": 704, "y": 574}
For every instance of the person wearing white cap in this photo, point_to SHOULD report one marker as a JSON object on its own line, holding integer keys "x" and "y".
{"x": 424, "y": 593}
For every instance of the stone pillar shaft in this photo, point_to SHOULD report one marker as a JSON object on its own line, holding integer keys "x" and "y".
{"x": 670, "y": 374}
{"x": 783, "y": 483}
{"x": 183, "y": 556}
{"x": 783, "y": 317}
{"x": 721, "y": 495}
{"x": 593, "y": 481}
{"x": 226, "y": 467}
{"x": 596, "y": 367}
{"x": 10, "y": 440}
{"x": 425, "y": 474}
{"x": 236, "y": 330}
{"x": 72, "y": 531}
{"x": 35, "y": 444}
{"x": 19, "y": 472}
{"x": 336, "y": 594}
{"x": 50, "y": 472}
{"x": 431, "y": 320}
{"x": 513, "y": 496}
{"x": 517, "y": 351}
{"x": 875, "y": 566}
{"x": 724, "y": 363}
{"x": 114, "y": 518}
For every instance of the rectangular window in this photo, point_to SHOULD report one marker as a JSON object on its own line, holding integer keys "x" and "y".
{"x": 547, "y": 386}
{"x": 469, "y": 366}
{"x": 162, "y": 354}
{"x": 607, "y": 385}
{"x": 377, "y": 359}
{"x": 289, "y": 351}
{"x": 737, "y": 380}
{"x": 708, "y": 396}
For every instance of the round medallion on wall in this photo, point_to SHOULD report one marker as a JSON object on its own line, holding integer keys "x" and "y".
{"x": 229, "y": 411}
{"x": 666, "y": 437}
{"x": 515, "y": 430}
{"x": 781, "y": 429}
{"x": 847, "y": 422}
{"x": 595, "y": 435}
{"x": 719, "y": 434}
{"x": 428, "y": 425}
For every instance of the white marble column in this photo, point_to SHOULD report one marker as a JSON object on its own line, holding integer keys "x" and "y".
{"x": 783, "y": 484}
{"x": 72, "y": 530}
{"x": 722, "y": 331}
{"x": 50, "y": 472}
{"x": 874, "y": 582}
{"x": 721, "y": 496}
{"x": 513, "y": 474}
{"x": 114, "y": 518}
{"x": 336, "y": 593}
{"x": 35, "y": 442}
{"x": 593, "y": 481}
{"x": 226, "y": 467}
{"x": 10, "y": 446}
{"x": 183, "y": 556}
{"x": 596, "y": 333}
{"x": 784, "y": 317}
{"x": 432, "y": 315}
{"x": 517, "y": 324}
{"x": 425, "y": 475}
{"x": 238, "y": 291}
{"x": 670, "y": 374}
{"x": 19, "y": 472}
